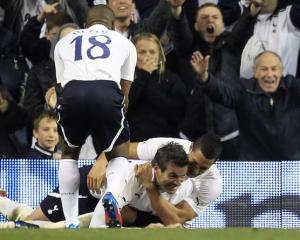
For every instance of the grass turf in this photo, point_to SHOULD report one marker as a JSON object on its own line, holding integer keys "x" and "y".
{"x": 153, "y": 234}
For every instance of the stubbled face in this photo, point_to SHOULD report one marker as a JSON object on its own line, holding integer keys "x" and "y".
{"x": 268, "y": 72}
{"x": 198, "y": 163}
{"x": 147, "y": 50}
{"x": 170, "y": 179}
{"x": 209, "y": 23}
{"x": 121, "y": 8}
{"x": 46, "y": 134}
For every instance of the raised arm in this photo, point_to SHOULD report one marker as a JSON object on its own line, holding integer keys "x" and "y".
{"x": 158, "y": 20}
{"x": 231, "y": 10}
{"x": 217, "y": 90}
{"x": 243, "y": 29}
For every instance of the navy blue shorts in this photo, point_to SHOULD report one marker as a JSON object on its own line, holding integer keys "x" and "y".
{"x": 96, "y": 108}
{"x": 52, "y": 208}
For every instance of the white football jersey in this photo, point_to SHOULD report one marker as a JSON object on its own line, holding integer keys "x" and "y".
{"x": 206, "y": 187}
{"x": 275, "y": 33}
{"x": 96, "y": 53}
{"x": 131, "y": 192}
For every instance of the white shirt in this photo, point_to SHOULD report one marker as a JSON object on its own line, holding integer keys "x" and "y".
{"x": 277, "y": 34}
{"x": 128, "y": 191}
{"x": 206, "y": 187}
{"x": 96, "y": 53}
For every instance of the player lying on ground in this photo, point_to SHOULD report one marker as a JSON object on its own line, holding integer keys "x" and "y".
{"x": 169, "y": 168}
{"x": 202, "y": 171}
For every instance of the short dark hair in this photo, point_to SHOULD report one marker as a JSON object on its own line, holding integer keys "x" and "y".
{"x": 170, "y": 153}
{"x": 210, "y": 145}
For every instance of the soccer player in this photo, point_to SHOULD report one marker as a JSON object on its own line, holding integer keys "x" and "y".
{"x": 202, "y": 172}
{"x": 167, "y": 173}
{"x": 95, "y": 67}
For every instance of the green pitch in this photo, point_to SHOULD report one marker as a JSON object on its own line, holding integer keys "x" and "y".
{"x": 151, "y": 234}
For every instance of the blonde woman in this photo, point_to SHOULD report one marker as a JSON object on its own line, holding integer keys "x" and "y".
{"x": 157, "y": 96}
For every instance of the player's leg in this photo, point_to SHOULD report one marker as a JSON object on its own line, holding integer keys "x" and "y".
{"x": 107, "y": 211}
{"x": 69, "y": 180}
{"x": 13, "y": 210}
{"x": 73, "y": 122}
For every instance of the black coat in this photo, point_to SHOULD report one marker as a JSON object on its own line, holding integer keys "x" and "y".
{"x": 269, "y": 123}
{"x": 40, "y": 78}
{"x": 156, "y": 105}
{"x": 224, "y": 62}
{"x": 36, "y": 49}
{"x": 13, "y": 119}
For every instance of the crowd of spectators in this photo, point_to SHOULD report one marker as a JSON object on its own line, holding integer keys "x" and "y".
{"x": 167, "y": 97}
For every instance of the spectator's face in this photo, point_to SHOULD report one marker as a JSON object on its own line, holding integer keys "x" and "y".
{"x": 268, "y": 72}
{"x": 198, "y": 163}
{"x": 46, "y": 134}
{"x": 147, "y": 51}
{"x": 209, "y": 23}
{"x": 121, "y": 8}
{"x": 170, "y": 179}
{"x": 51, "y": 33}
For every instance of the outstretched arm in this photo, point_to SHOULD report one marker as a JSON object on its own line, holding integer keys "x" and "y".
{"x": 217, "y": 90}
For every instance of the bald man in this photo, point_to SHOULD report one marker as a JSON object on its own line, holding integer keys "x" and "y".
{"x": 95, "y": 67}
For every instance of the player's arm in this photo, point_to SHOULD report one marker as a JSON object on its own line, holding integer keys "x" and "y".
{"x": 133, "y": 150}
{"x": 59, "y": 64}
{"x": 167, "y": 212}
{"x": 125, "y": 86}
{"x": 97, "y": 174}
{"x": 127, "y": 71}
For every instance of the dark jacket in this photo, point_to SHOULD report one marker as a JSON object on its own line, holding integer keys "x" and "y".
{"x": 13, "y": 66}
{"x": 37, "y": 152}
{"x": 269, "y": 123}
{"x": 36, "y": 49}
{"x": 156, "y": 105}
{"x": 13, "y": 17}
{"x": 13, "y": 119}
{"x": 40, "y": 78}
{"x": 224, "y": 62}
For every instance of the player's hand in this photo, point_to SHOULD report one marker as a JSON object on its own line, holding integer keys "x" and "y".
{"x": 51, "y": 98}
{"x": 159, "y": 225}
{"x": 144, "y": 174}
{"x": 255, "y": 6}
{"x": 200, "y": 65}
{"x": 97, "y": 174}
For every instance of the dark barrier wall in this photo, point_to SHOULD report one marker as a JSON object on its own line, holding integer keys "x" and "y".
{"x": 255, "y": 194}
